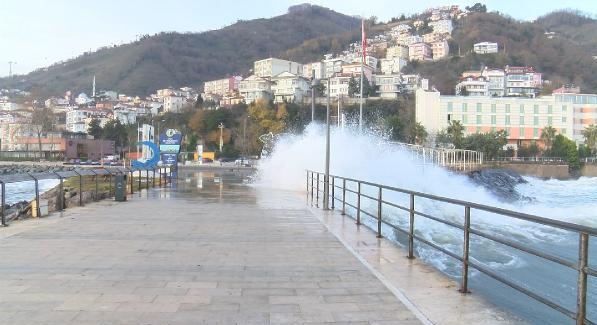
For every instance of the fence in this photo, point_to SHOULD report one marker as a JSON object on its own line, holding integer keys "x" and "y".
{"x": 369, "y": 200}
{"x": 142, "y": 175}
{"x": 457, "y": 159}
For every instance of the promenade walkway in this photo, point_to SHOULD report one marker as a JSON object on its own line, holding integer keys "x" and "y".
{"x": 209, "y": 250}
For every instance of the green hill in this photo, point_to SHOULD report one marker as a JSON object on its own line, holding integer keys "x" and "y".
{"x": 173, "y": 59}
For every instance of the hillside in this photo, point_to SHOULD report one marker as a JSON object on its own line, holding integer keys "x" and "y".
{"x": 560, "y": 59}
{"x": 173, "y": 59}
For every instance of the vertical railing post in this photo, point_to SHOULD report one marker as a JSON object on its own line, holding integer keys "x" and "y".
{"x": 583, "y": 256}
{"x": 308, "y": 186}
{"x": 139, "y": 180}
{"x": 3, "y": 203}
{"x": 312, "y": 188}
{"x": 379, "y": 203}
{"x": 160, "y": 172}
{"x": 358, "y": 203}
{"x": 110, "y": 183}
{"x": 37, "y": 209}
{"x": 96, "y": 185}
{"x": 465, "y": 249}
{"x": 317, "y": 192}
{"x": 343, "y": 196}
{"x": 333, "y": 192}
{"x": 60, "y": 196}
{"x": 411, "y": 228}
{"x": 153, "y": 178}
{"x": 80, "y": 187}
{"x": 147, "y": 179}
{"x": 132, "y": 183}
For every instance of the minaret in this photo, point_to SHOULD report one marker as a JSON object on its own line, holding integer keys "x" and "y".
{"x": 93, "y": 91}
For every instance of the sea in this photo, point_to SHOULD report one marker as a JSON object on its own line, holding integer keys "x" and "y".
{"x": 369, "y": 156}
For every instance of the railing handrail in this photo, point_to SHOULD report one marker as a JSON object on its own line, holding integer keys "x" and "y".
{"x": 515, "y": 214}
{"x": 581, "y": 265}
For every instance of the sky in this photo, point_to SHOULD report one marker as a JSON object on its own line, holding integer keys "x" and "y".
{"x": 37, "y": 33}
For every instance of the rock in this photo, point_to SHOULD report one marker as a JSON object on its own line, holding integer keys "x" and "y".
{"x": 501, "y": 182}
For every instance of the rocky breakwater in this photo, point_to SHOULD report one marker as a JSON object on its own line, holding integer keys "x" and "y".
{"x": 501, "y": 182}
{"x": 68, "y": 197}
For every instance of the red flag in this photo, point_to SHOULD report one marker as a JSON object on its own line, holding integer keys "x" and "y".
{"x": 364, "y": 39}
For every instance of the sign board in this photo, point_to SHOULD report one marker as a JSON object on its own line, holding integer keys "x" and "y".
{"x": 170, "y": 142}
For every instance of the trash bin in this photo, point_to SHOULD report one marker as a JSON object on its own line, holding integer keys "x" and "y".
{"x": 43, "y": 208}
{"x": 120, "y": 188}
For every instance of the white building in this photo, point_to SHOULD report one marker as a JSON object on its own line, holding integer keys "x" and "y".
{"x": 398, "y": 51}
{"x": 497, "y": 81}
{"x": 333, "y": 66}
{"x": 272, "y": 66}
{"x": 443, "y": 26}
{"x": 485, "y": 48}
{"x": 413, "y": 39}
{"x": 314, "y": 67}
{"x": 222, "y": 86}
{"x": 419, "y": 52}
{"x": 393, "y": 65}
{"x": 75, "y": 120}
{"x": 390, "y": 85}
{"x": 125, "y": 115}
{"x": 289, "y": 87}
{"x": 339, "y": 85}
{"x": 254, "y": 88}
{"x": 174, "y": 103}
{"x": 473, "y": 86}
{"x": 8, "y": 106}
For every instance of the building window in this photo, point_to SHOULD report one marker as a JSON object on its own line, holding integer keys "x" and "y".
{"x": 493, "y": 108}
{"x": 464, "y": 119}
{"x": 479, "y": 108}
{"x": 521, "y": 119}
{"x": 536, "y": 120}
{"x": 564, "y": 109}
{"x": 521, "y": 108}
{"x": 493, "y": 129}
{"x": 564, "y": 119}
{"x": 536, "y": 109}
{"x": 563, "y": 131}
{"x": 464, "y": 107}
{"x": 449, "y": 106}
{"x": 550, "y": 120}
{"x": 550, "y": 109}
{"x": 507, "y": 122}
{"x": 479, "y": 119}
{"x": 535, "y": 132}
{"x": 508, "y": 108}
{"x": 521, "y": 133}
{"x": 493, "y": 119}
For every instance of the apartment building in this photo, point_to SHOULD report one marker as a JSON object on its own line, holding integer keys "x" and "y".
{"x": 222, "y": 86}
{"x": 339, "y": 84}
{"x": 523, "y": 118}
{"x": 392, "y": 65}
{"x": 522, "y": 81}
{"x": 174, "y": 103}
{"x": 289, "y": 87}
{"x": 354, "y": 69}
{"x": 398, "y": 51}
{"x": 485, "y": 48}
{"x": 420, "y": 52}
{"x": 390, "y": 86}
{"x": 314, "y": 69}
{"x": 440, "y": 50}
{"x": 497, "y": 81}
{"x": 272, "y": 66}
{"x": 584, "y": 108}
{"x": 443, "y": 26}
{"x": 254, "y": 88}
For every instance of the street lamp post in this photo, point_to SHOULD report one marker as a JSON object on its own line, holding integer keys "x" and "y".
{"x": 312, "y": 95}
{"x": 326, "y": 178}
{"x": 245, "y": 136}
{"x": 221, "y": 127}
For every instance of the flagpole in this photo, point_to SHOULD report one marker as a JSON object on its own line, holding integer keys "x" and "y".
{"x": 364, "y": 49}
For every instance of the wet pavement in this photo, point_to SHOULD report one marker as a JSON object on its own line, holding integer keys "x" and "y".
{"x": 212, "y": 250}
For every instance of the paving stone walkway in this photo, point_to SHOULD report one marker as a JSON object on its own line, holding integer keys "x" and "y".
{"x": 207, "y": 252}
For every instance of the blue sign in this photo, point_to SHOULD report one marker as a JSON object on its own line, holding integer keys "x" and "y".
{"x": 170, "y": 146}
{"x": 151, "y": 162}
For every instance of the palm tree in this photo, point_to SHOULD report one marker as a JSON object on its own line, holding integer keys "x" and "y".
{"x": 456, "y": 132}
{"x": 548, "y": 135}
{"x": 418, "y": 133}
{"x": 590, "y": 134}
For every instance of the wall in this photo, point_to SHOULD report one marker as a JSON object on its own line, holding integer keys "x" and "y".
{"x": 537, "y": 170}
{"x": 588, "y": 170}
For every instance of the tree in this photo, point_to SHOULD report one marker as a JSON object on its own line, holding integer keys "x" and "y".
{"x": 353, "y": 87}
{"x": 116, "y": 131}
{"x": 456, "y": 132}
{"x": 548, "y": 135}
{"x": 42, "y": 120}
{"x": 590, "y": 134}
{"x": 418, "y": 134}
{"x": 94, "y": 129}
{"x": 566, "y": 149}
{"x": 491, "y": 144}
{"x": 395, "y": 126}
{"x": 477, "y": 7}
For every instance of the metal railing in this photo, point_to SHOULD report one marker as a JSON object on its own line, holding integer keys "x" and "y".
{"x": 542, "y": 160}
{"x": 377, "y": 195}
{"x": 163, "y": 174}
{"x": 456, "y": 159}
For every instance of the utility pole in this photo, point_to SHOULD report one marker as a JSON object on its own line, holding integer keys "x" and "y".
{"x": 10, "y": 63}
{"x": 326, "y": 178}
{"x": 312, "y": 95}
{"x": 221, "y": 127}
